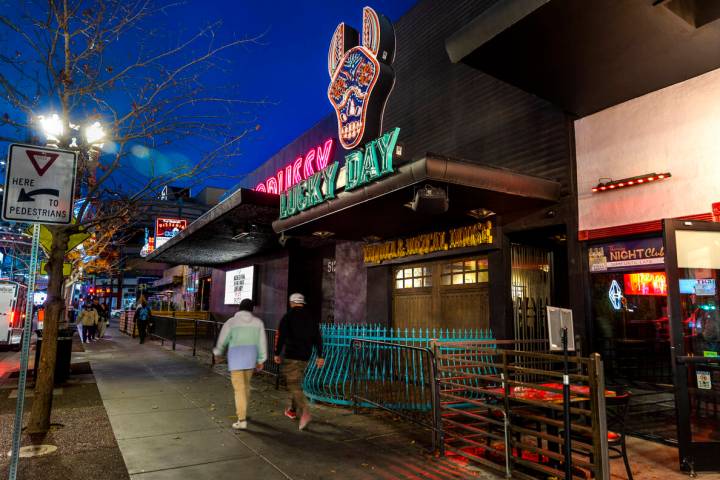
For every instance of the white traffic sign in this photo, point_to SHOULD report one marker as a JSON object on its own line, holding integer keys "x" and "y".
{"x": 39, "y": 185}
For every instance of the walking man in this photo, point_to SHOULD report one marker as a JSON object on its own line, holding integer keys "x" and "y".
{"x": 243, "y": 338}
{"x": 142, "y": 318}
{"x": 298, "y": 333}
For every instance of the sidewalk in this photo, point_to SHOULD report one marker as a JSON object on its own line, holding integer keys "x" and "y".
{"x": 80, "y": 429}
{"x": 171, "y": 416}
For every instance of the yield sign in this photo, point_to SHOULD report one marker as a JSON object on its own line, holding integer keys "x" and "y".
{"x": 41, "y": 160}
{"x": 39, "y": 185}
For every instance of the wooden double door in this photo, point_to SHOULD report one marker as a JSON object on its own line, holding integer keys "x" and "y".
{"x": 450, "y": 293}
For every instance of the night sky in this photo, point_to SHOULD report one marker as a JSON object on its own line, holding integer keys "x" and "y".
{"x": 286, "y": 69}
{"x": 290, "y": 69}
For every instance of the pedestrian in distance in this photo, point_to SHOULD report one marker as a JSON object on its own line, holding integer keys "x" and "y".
{"x": 298, "y": 333}
{"x": 142, "y": 319}
{"x": 104, "y": 319}
{"x": 98, "y": 308}
{"x": 242, "y": 340}
{"x": 88, "y": 318}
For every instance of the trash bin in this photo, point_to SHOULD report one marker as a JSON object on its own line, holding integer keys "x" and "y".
{"x": 64, "y": 352}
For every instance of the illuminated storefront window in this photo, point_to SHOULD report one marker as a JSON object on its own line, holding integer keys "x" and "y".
{"x": 413, "y": 277}
{"x": 465, "y": 272}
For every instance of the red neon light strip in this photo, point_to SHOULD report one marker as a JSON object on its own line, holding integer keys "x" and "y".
{"x": 630, "y": 182}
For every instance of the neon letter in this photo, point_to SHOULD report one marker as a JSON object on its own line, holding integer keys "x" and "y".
{"x": 281, "y": 184}
{"x": 308, "y": 164}
{"x": 330, "y": 180}
{"x": 323, "y": 154}
{"x": 288, "y": 177}
{"x": 353, "y": 162}
{"x": 260, "y": 187}
{"x": 297, "y": 164}
{"x": 369, "y": 170}
{"x": 271, "y": 184}
{"x": 386, "y": 148}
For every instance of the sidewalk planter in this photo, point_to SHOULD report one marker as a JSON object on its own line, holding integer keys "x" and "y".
{"x": 332, "y": 383}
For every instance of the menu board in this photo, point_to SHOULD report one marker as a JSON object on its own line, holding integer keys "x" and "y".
{"x": 239, "y": 285}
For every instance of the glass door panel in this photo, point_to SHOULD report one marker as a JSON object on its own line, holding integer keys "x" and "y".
{"x": 698, "y": 257}
{"x": 693, "y": 272}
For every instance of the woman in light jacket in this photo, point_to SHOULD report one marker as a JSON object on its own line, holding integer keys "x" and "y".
{"x": 89, "y": 319}
{"x": 243, "y": 338}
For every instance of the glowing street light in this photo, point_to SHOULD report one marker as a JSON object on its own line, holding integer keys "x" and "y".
{"x": 51, "y": 126}
{"x": 94, "y": 134}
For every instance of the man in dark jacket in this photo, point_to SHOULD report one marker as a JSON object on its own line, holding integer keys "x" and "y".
{"x": 298, "y": 333}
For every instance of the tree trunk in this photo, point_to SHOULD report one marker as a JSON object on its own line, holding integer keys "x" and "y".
{"x": 54, "y": 308}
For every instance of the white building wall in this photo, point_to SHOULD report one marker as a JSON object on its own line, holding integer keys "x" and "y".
{"x": 676, "y": 129}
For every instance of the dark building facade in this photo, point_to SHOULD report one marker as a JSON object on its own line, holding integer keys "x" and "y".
{"x": 451, "y": 115}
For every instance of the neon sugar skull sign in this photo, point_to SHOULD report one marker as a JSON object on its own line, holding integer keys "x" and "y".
{"x": 302, "y": 168}
{"x": 361, "y": 77}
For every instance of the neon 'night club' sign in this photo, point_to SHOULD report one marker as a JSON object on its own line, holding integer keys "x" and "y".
{"x": 302, "y": 168}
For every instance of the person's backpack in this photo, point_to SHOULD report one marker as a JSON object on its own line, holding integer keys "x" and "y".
{"x": 143, "y": 314}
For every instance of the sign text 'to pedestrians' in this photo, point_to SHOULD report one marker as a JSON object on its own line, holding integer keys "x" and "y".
{"x": 39, "y": 185}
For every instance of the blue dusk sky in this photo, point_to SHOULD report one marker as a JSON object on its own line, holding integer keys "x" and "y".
{"x": 285, "y": 69}
{"x": 289, "y": 66}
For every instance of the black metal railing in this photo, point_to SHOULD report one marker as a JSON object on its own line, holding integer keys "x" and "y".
{"x": 400, "y": 379}
{"x": 270, "y": 367}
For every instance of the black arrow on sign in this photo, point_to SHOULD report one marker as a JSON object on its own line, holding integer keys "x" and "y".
{"x": 29, "y": 196}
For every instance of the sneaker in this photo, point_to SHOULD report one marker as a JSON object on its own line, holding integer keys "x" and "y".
{"x": 290, "y": 413}
{"x": 240, "y": 425}
{"x": 304, "y": 420}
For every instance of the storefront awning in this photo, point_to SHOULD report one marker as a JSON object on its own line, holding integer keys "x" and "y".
{"x": 381, "y": 209}
{"x": 236, "y": 228}
{"x": 585, "y": 56}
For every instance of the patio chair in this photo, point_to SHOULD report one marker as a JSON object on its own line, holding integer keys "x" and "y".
{"x": 617, "y": 408}
{"x": 617, "y": 411}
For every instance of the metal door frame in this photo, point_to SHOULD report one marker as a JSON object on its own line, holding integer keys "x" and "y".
{"x": 692, "y": 455}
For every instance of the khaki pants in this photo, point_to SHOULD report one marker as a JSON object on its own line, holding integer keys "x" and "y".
{"x": 241, "y": 386}
{"x": 294, "y": 373}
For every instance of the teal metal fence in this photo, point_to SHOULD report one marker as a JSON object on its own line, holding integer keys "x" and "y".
{"x": 333, "y": 382}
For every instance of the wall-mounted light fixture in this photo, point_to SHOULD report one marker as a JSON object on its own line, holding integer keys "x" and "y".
{"x": 630, "y": 182}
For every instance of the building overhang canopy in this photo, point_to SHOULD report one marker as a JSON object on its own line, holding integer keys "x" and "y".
{"x": 585, "y": 56}
{"x": 381, "y": 210}
{"x": 238, "y": 227}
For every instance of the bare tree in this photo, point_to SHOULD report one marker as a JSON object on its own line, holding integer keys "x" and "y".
{"x": 110, "y": 61}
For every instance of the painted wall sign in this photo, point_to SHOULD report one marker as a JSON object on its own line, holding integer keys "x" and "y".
{"x": 302, "y": 168}
{"x": 470, "y": 236}
{"x": 362, "y": 166}
{"x": 361, "y": 77}
{"x": 167, "y": 228}
{"x": 613, "y": 257}
{"x": 645, "y": 283}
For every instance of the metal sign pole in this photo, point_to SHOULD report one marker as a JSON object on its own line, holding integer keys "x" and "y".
{"x": 27, "y": 333}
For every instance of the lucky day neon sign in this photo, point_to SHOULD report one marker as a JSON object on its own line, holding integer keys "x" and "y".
{"x": 362, "y": 166}
{"x": 302, "y": 168}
